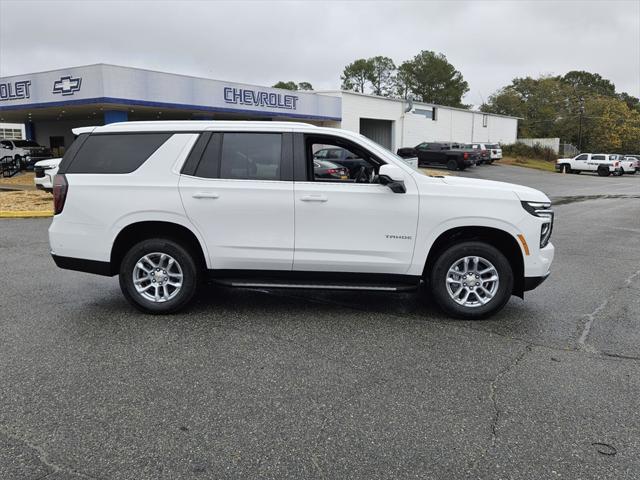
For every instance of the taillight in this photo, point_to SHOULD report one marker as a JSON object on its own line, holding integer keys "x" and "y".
{"x": 465, "y": 156}
{"x": 60, "y": 189}
{"x": 617, "y": 164}
{"x": 332, "y": 170}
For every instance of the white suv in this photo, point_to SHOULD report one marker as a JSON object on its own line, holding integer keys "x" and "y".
{"x": 163, "y": 204}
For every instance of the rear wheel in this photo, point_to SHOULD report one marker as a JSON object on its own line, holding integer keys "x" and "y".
{"x": 452, "y": 165}
{"x": 158, "y": 276}
{"x": 604, "y": 171}
{"x": 471, "y": 280}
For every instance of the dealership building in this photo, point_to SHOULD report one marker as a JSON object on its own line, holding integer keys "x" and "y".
{"x": 45, "y": 106}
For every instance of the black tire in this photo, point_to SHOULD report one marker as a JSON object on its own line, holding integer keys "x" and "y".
{"x": 447, "y": 258}
{"x": 622, "y": 172}
{"x": 18, "y": 161}
{"x": 452, "y": 165}
{"x": 489, "y": 162}
{"x": 604, "y": 172}
{"x": 566, "y": 168}
{"x": 183, "y": 257}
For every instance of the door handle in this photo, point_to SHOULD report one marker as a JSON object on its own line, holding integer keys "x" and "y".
{"x": 314, "y": 198}
{"x": 205, "y": 195}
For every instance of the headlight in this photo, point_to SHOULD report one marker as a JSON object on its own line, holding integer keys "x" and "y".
{"x": 542, "y": 210}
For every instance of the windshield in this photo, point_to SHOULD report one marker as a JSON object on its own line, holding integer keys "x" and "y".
{"x": 25, "y": 143}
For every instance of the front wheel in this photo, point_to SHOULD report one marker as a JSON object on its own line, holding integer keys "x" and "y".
{"x": 471, "y": 280}
{"x": 158, "y": 276}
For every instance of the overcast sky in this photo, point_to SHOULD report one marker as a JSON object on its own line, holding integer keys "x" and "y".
{"x": 261, "y": 42}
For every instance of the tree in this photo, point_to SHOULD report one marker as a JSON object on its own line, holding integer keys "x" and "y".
{"x": 434, "y": 80}
{"x": 286, "y": 85}
{"x": 293, "y": 85}
{"x": 402, "y": 81}
{"x": 356, "y": 75}
{"x": 585, "y": 83}
{"x": 551, "y": 107}
{"x": 632, "y": 102}
{"x": 380, "y": 75}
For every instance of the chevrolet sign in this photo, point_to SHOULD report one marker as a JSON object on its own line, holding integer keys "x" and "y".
{"x": 15, "y": 90}
{"x": 244, "y": 96}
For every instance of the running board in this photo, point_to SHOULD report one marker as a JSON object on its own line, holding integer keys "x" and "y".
{"x": 247, "y": 283}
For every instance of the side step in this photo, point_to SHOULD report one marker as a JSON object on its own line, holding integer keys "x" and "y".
{"x": 315, "y": 285}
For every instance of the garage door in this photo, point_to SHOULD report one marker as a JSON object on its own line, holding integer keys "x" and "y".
{"x": 377, "y": 130}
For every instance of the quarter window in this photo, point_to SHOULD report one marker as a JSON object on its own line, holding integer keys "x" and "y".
{"x": 597, "y": 157}
{"x": 115, "y": 153}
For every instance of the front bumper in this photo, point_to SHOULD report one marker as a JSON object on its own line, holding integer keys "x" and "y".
{"x": 533, "y": 282}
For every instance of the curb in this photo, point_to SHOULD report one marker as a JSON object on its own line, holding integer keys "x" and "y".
{"x": 25, "y": 214}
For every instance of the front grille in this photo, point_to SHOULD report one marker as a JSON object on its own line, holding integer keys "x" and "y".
{"x": 39, "y": 171}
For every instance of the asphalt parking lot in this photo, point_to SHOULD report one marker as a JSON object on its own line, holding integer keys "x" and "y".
{"x": 273, "y": 384}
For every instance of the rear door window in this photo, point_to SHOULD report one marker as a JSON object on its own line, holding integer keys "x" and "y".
{"x": 115, "y": 153}
{"x": 251, "y": 156}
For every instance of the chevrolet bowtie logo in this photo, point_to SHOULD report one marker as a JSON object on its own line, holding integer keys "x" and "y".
{"x": 67, "y": 85}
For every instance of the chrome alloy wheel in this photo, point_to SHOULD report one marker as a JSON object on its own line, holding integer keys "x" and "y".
{"x": 472, "y": 281}
{"x": 157, "y": 277}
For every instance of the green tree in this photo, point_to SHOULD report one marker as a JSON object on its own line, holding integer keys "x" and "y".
{"x": 632, "y": 102}
{"x": 551, "y": 107}
{"x": 380, "y": 75}
{"x": 286, "y": 85}
{"x": 305, "y": 86}
{"x": 402, "y": 80}
{"x": 356, "y": 75}
{"x": 586, "y": 83}
{"x": 434, "y": 80}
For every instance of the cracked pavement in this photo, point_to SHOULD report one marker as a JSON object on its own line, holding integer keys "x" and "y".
{"x": 281, "y": 384}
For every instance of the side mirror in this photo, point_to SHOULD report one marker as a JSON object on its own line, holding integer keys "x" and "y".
{"x": 393, "y": 177}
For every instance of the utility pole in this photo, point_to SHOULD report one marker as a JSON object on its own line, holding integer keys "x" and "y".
{"x": 580, "y": 128}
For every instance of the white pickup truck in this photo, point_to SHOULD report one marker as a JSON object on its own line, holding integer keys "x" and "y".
{"x": 601, "y": 163}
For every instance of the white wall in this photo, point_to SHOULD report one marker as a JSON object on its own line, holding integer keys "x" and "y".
{"x": 409, "y": 129}
{"x": 59, "y": 128}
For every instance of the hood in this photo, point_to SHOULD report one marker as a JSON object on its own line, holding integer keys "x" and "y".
{"x": 523, "y": 193}
{"x": 49, "y": 162}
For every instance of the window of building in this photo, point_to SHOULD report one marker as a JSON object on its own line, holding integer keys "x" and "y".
{"x": 11, "y": 133}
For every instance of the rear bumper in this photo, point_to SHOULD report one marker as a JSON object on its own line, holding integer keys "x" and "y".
{"x": 83, "y": 265}
{"x": 533, "y": 282}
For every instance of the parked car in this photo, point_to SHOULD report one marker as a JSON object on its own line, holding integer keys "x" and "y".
{"x": 451, "y": 155}
{"x": 25, "y": 152}
{"x": 483, "y": 151}
{"x": 495, "y": 151}
{"x": 45, "y": 171}
{"x": 163, "y": 204}
{"x": 630, "y": 164}
{"x": 601, "y": 163}
{"x": 343, "y": 157}
{"x": 329, "y": 170}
